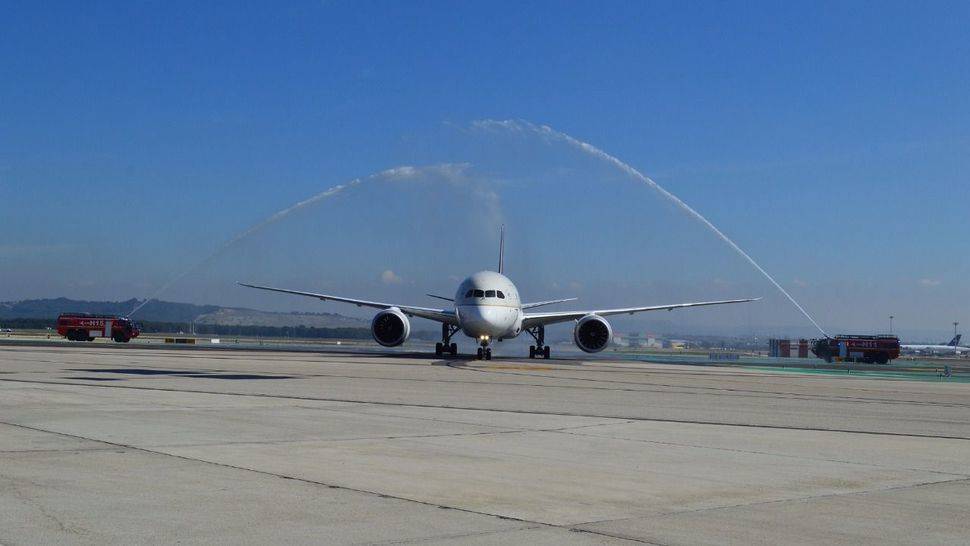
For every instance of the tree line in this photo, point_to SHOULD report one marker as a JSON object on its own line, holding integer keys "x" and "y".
{"x": 155, "y": 327}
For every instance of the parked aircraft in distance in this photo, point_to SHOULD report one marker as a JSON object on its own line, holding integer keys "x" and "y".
{"x": 487, "y": 307}
{"x": 952, "y": 346}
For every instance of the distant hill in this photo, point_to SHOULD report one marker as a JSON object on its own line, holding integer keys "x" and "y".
{"x": 231, "y": 316}
{"x": 164, "y": 311}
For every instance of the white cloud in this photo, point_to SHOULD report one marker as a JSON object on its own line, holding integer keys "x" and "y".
{"x": 800, "y": 283}
{"x": 390, "y": 277}
{"x": 930, "y": 282}
{"x": 448, "y": 171}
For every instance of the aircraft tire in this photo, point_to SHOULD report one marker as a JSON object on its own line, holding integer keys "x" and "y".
{"x": 545, "y": 352}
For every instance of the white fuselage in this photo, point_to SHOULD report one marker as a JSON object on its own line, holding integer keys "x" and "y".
{"x": 488, "y": 307}
{"x": 936, "y": 348}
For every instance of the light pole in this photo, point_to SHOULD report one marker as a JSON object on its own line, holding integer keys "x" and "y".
{"x": 891, "y": 323}
{"x": 955, "y": 324}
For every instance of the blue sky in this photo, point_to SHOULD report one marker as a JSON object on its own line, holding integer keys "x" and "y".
{"x": 831, "y": 140}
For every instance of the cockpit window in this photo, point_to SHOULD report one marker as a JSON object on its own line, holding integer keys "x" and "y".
{"x": 469, "y": 293}
{"x": 489, "y": 293}
{"x": 500, "y": 294}
{"x": 479, "y": 293}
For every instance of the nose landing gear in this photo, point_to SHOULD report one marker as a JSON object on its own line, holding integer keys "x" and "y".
{"x": 484, "y": 352}
{"x": 540, "y": 349}
{"x": 445, "y": 345}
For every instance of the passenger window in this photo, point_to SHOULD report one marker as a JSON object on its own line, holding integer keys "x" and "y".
{"x": 500, "y": 294}
{"x": 469, "y": 293}
{"x": 479, "y": 294}
{"x": 489, "y": 293}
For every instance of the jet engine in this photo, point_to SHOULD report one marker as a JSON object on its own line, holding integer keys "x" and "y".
{"x": 592, "y": 333}
{"x": 390, "y": 327}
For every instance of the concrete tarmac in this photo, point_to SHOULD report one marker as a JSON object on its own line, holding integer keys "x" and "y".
{"x": 110, "y": 445}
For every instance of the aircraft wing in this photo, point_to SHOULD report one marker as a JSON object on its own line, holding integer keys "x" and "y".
{"x": 447, "y": 316}
{"x": 541, "y": 303}
{"x": 536, "y": 319}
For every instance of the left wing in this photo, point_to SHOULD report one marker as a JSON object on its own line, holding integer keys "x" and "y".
{"x": 537, "y": 319}
{"x": 447, "y": 316}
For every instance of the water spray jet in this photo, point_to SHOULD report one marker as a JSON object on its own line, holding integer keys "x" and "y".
{"x": 403, "y": 172}
{"x": 547, "y": 132}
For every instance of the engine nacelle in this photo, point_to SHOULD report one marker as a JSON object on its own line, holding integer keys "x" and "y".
{"x": 390, "y": 327}
{"x": 592, "y": 333}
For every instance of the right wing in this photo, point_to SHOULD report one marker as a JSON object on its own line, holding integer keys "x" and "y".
{"x": 537, "y": 319}
{"x": 447, "y": 316}
{"x": 541, "y": 303}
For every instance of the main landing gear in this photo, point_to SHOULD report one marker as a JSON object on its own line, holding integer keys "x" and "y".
{"x": 445, "y": 345}
{"x": 540, "y": 349}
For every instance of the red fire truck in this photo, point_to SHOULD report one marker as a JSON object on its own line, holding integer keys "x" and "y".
{"x": 86, "y": 327}
{"x": 846, "y": 348}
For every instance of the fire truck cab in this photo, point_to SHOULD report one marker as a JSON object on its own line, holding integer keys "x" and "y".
{"x": 86, "y": 327}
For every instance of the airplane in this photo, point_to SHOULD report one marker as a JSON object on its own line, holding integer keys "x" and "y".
{"x": 952, "y": 345}
{"x": 486, "y": 307}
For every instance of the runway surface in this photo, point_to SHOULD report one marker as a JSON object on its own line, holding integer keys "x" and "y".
{"x": 102, "y": 444}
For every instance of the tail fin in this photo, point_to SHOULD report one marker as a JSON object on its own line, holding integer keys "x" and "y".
{"x": 955, "y": 341}
{"x": 501, "y": 251}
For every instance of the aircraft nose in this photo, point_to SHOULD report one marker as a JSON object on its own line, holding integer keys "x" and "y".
{"x": 479, "y": 320}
